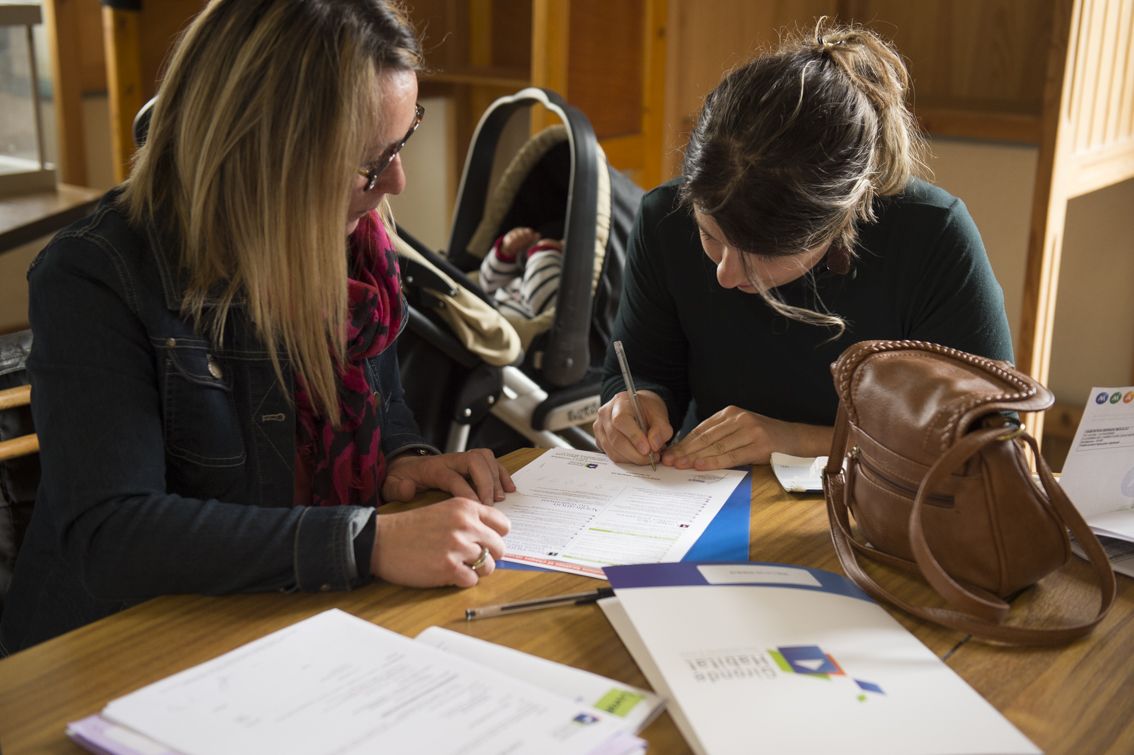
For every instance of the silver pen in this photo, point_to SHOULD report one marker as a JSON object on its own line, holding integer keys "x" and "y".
{"x": 629, "y": 380}
{"x": 575, "y": 599}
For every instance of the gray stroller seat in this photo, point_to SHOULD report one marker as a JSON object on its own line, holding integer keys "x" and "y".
{"x": 539, "y": 378}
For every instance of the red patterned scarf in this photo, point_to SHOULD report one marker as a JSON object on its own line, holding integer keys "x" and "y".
{"x": 342, "y": 466}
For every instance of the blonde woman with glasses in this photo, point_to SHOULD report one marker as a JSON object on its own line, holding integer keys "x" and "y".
{"x": 215, "y": 374}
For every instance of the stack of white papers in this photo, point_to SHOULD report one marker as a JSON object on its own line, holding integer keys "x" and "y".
{"x": 777, "y": 658}
{"x": 1098, "y": 474}
{"x": 335, "y": 683}
{"x": 636, "y": 707}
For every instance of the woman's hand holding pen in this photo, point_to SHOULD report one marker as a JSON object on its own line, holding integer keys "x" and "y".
{"x": 617, "y": 432}
{"x": 734, "y": 437}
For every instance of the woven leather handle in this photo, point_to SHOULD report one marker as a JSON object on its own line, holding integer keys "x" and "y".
{"x": 987, "y": 609}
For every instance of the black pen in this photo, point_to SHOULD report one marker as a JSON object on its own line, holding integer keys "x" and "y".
{"x": 578, "y": 599}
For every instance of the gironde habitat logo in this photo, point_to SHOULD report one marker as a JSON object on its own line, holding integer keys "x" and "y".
{"x": 810, "y": 660}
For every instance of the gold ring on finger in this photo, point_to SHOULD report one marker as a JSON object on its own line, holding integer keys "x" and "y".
{"x": 481, "y": 560}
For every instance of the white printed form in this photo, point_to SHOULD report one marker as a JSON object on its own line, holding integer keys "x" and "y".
{"x": 577, "y": 511}
{"x": 335, "y": 684}
{"x": 1099, "y": 472}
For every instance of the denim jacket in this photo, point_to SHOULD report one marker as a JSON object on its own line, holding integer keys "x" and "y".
{"x": 168, "y": 460}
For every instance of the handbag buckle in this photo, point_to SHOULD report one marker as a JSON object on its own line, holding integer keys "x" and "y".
{"x": 1012, "y": 434}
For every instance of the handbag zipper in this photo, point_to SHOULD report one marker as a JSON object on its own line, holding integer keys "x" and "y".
{"x": 935, "y": 499}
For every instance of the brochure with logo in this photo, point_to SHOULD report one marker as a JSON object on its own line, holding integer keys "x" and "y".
{"x": 758, "y": 657}
{"x": 1099, "y": 472}
{"x": 335, "y": 683}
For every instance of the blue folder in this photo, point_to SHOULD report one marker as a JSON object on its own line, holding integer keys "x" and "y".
{"x": 725, "y": 539}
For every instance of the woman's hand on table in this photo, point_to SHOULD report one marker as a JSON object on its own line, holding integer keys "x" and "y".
{"x": 617, "y": 432}
{"x": 735, "y": 437}
{"x": 475, "y": 474}
{"x": 435, "y": 546}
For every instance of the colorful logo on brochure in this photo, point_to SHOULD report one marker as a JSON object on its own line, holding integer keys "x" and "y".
{"x": 810, "y": 660}
{"x": 1102, "y": 397}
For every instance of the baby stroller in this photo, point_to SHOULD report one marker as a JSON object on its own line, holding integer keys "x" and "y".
{"x": 494, "y": 379}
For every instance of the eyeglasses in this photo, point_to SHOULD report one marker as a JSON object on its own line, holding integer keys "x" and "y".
{"x": 372, "y": 173}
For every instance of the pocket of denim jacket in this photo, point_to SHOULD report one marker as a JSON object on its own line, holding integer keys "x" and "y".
{"x": 201, "y": 423}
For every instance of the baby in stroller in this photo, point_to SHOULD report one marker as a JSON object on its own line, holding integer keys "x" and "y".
{"x": 513, "y": 346}
{"x": 521, "y": 271}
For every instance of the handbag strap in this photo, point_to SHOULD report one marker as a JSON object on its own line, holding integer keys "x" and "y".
{"x": 987, "y": 610}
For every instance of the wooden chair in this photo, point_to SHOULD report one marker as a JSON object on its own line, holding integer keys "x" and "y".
{"x": 19, "y": 465}
{"x": 21, "y": 445}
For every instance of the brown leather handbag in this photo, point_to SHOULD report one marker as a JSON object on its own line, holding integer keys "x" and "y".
{"x": 937, "y": 478}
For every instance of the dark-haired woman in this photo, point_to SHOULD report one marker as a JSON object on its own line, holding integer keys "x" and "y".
{"x": 798, "y": 227}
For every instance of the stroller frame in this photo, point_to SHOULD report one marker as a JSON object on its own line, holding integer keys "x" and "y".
{"x": 547, "y": 403}
{"x": 566, "y": 357}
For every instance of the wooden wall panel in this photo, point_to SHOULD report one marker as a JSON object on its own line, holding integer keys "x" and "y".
{"x": 1085, "y": 67}
{"x": 1085, "y": 148}
{"x": 979, "y": 66}
{"x": 605, "y": 64}
{"x": 437, "y": 22}
{"x": 711, "y": 37}
{"x": 162, "y": 22}
{"x": 608, "y": 60}
{"x": 985, "y": 55}
{"x": 551, "y": 25}
{"x": 1100, "y": 129}
{"x": 707, "y": 39}
{"x": 657, "y": 36}
{"x": 62, "y": 26}
{"x": 137, "y": 46}
{"x": 512, "y": 35}
{"x": 467, "y": 40}
{"x": 475, "y": 51}
{"x": 122, "y": 34}
{"x": 1120, "y": 119}
{"x": 91, "y": 58}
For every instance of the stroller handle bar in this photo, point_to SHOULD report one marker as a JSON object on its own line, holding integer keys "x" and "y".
{"x": 566, "y": 355}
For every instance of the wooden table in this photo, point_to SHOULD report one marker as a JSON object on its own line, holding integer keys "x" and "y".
{"x": 27, "y": 217}
{"x": 1075, "y": 699}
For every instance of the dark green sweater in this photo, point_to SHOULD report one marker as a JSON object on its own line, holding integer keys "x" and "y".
{"x": 921, "y": 273}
